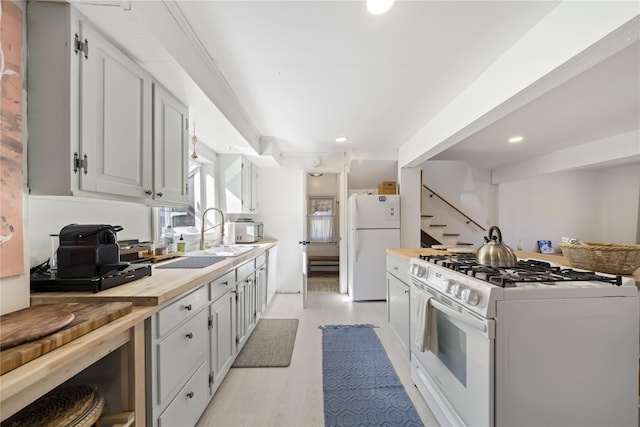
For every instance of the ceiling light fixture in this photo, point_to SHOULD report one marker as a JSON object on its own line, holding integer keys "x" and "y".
{"x": 378, "y": 7}
{"x": 516, "y": 139}
{"x": 315, "y": 174}
{"x": 341, "y": 139}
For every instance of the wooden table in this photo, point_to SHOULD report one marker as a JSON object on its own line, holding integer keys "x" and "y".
{"x": 25, "y": 384}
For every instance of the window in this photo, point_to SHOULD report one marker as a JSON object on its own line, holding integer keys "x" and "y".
{"x": 186, "y": 220}
{"x": 321, "y": 220}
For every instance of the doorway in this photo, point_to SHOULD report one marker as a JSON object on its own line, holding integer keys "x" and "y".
{"x": 323, "y": 232}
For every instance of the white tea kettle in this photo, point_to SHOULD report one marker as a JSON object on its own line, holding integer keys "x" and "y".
{"x": 494, "y": 252}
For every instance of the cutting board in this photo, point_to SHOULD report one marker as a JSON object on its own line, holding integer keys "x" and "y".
{"x": 87, "y": 317}
{"x": 31, "y": 323}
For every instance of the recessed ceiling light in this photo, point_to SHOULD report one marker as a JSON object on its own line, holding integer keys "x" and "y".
{"x": 378, "y": 7}
{"x": 341, "y": 139}
{"x": 516, "y": 139}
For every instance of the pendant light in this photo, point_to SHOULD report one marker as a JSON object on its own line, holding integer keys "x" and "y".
{"x": 194, "y": 141}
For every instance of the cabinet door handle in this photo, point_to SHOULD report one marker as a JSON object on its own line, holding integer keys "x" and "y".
{"x": 395, "y": 268}
{"x": 159, "y": 194}
{"x": 148, "y": 192}
{"x": 189, "y": 335}
{"x": 406, "y": 292}
{"x": 190, "y": 395}
{"x": 188, "y": 307}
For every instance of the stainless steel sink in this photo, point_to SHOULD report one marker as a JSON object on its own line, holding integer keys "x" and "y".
{"x": 225, "y": 250}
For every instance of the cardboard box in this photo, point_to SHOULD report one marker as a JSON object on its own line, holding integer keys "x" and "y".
{"x": 387, "y": 187}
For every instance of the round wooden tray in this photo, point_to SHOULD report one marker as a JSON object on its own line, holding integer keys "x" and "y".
{"x": 30, "y": 324}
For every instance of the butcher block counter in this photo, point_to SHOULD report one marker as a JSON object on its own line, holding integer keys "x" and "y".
{"x": 406, "y": 254}
{"x": 34, "y": 378}
{"x": 163, "y": 285}
{"x": 31, "y": 380}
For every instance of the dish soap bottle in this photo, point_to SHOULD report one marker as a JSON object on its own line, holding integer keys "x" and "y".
{"x": 181, "y": 245}
{"x": 170, "y": 239}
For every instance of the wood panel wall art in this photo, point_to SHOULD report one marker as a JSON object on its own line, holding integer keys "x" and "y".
{"x": 11, "y": 144}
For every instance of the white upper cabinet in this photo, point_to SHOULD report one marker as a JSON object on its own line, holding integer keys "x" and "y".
{"x": 238, "y": 181}
{"x": 170, "y": 148}
{"x": 91, "y": 112}
{"x": 115, "y": 120}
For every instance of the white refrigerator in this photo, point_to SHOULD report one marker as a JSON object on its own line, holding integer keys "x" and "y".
{"x": 374, "y": 226}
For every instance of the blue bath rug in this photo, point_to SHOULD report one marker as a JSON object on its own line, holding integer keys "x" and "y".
{"x": 360, "y": 386}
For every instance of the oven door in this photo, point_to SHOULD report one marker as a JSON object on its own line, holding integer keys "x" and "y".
{"x": 456, "y": 376}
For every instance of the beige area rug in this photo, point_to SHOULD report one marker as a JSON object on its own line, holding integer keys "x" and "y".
{"x": 270, "y": 345}
{"x": 323, "y": 284}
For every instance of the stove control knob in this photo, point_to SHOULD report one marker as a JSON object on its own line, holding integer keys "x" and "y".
{"x": 422, "y": 271}
{"x": 456, "y": 290}
{"x": 470, "y": 296}
{"x": 447, "y": 284}
{"x": 419, "y": 270}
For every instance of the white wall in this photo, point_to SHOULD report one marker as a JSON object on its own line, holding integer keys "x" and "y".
{"x": 620, "y": 205}
{"x": 48, "y": 214}
{"x": 591, "y": 205}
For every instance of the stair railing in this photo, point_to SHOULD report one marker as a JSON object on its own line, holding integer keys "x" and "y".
{"x": 469, "y": 220}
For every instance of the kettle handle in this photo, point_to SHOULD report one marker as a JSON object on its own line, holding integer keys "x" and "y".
{"x": 497, "y": 230}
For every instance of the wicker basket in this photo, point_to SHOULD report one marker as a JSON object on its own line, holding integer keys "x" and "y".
{"x": 613, "y": 258}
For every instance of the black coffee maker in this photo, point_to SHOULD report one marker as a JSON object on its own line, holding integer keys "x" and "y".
{"x": 88, "y": 251}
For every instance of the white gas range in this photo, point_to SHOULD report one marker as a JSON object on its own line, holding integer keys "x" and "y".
{"x": 532, "y": 345}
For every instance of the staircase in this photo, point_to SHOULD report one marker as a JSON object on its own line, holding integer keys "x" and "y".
{"x": 434, "y": 234}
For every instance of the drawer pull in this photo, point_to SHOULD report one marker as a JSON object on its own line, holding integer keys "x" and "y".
{"x": 395, "y": 268}
{"x": 190, "y": 395}
{"x": 188, "y": 307}
{"x": 226, "y": 283}
{"x": 189, "y": 335}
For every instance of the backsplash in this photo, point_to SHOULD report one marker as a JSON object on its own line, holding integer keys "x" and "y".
{"x": 48, "y": 214}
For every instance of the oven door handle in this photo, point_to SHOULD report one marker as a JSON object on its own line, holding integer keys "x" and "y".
{"x": 467, "y": 320}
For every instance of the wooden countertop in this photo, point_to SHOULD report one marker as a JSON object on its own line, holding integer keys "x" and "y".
{"x": 407, "y": 253}
{"x": 26, "y": 383}
{"x": 162, "y": 286}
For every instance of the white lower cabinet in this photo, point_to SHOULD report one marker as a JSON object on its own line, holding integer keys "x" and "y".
{"x": 194, "y": 339}
{"x": 222, "y": 328}
{"x": 179, "y": 347}
{"x": 246, "y": 299}
{"x": 189, "y": 403}
{"x": 261, "y": 284}
{"x": 398, "y": 299}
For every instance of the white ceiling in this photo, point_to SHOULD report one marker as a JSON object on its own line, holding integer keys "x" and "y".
{"x": 305, "y": 72}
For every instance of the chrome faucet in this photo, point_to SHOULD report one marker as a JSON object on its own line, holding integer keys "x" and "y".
{"x": 202, "y": 230}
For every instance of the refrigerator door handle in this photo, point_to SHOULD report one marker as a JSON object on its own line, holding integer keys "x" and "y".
{"x": 355, "y": 246}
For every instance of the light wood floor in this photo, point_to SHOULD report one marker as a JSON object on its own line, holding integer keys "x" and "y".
{"x": 293, "y": 396}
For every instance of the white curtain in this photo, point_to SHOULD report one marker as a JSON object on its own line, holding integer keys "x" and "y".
{"x": 321, "y": 228}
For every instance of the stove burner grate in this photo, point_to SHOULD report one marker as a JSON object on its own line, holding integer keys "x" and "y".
{"x": 525, "y": 271}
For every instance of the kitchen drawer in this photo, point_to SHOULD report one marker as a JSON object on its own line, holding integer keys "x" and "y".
{"x": 180, "y": 310}
{"x": 189, "y": 403}
{"x": 261, "y": 259}
{"x": 246, "y": 269}
{"x": 180, "y": 352}
{"x": 221, "y": 285}
{"x": 399, "y": 268}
